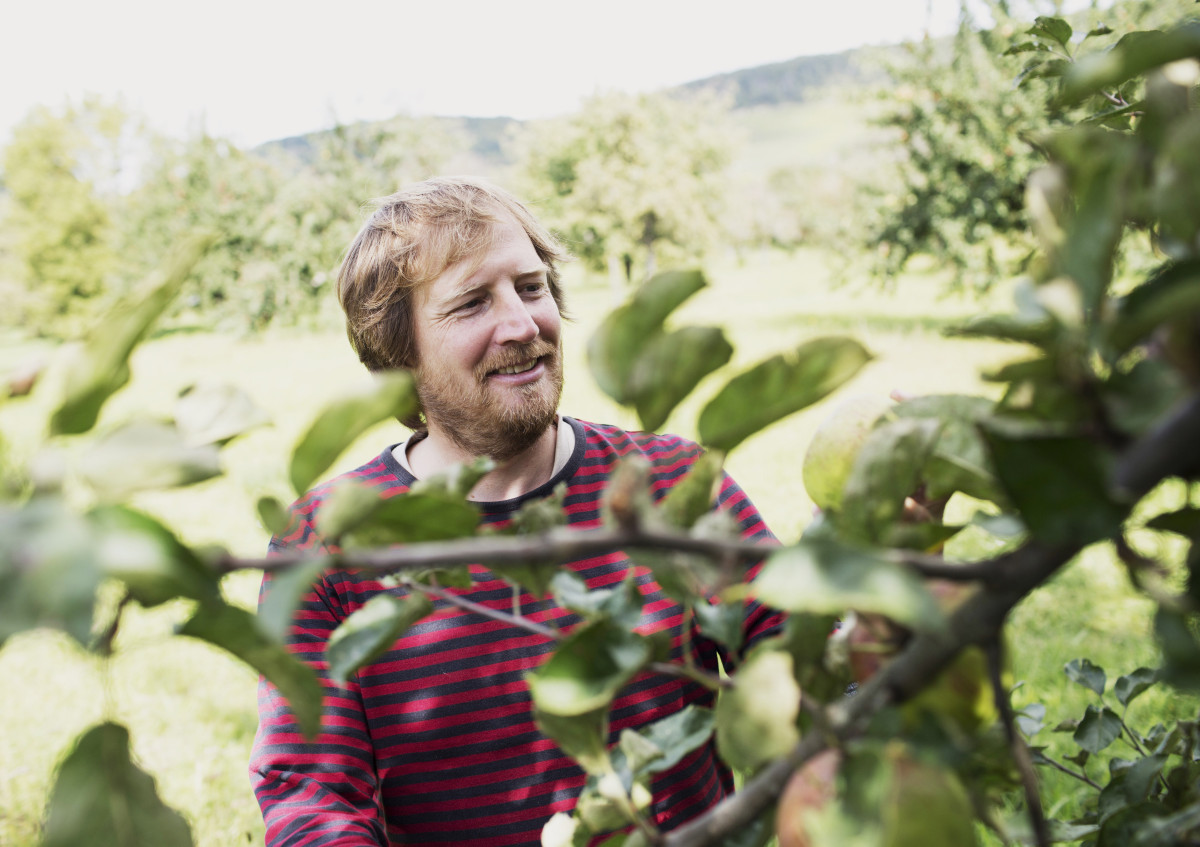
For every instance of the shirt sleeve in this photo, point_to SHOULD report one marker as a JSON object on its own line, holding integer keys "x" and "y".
{"x": 319, "y": 792}
{"x": 760, "y": 621}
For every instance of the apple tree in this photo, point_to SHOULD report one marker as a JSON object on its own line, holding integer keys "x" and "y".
{"x": 882, "y": 713}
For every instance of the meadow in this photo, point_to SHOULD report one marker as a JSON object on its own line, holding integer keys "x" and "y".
{"x": 191, "y": 710}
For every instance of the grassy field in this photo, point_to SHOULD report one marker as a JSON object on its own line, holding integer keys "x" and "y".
{"x": 191, "y": 710}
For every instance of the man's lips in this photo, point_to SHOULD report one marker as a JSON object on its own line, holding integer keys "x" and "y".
{"x": 530, "y": 370}
{"x": 519, "y": 368}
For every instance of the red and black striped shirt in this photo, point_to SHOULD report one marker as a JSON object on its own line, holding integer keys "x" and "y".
{"x": 434, "y": 743}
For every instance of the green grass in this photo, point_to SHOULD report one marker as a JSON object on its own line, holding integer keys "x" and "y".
{"x": 191, "y": 710}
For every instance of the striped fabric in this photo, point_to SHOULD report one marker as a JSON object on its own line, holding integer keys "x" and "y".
{"x": 434, "y": 743}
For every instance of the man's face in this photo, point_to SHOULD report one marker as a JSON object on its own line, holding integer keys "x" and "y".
{"x": 489, "y": 369}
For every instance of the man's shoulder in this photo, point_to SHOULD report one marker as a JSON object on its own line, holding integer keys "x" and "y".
{"x": 382, "y": 473}
{"x": 606, "y": 441}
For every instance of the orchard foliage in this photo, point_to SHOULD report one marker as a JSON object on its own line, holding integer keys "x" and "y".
{"x": 95, "y": 202}
{"x": 969, "y": 115}
{"x": 630, "y": 178}
{"x": 1100, "y": 406}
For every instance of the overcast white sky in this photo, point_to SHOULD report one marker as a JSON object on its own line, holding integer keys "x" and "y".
{"x": 253, "y": 70}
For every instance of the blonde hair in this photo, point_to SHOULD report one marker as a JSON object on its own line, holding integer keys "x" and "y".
{"x": 410, "y": 239}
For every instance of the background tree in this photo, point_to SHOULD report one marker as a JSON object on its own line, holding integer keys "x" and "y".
{"x": 969, "y": 113}
{"x": 630, "y": 180}
{"x": 61, "y": 173}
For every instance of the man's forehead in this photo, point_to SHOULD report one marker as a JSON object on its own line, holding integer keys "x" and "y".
{"x": 477, "y": 267}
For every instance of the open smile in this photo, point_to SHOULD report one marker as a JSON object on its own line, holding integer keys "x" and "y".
{"x": 519, "y": 368}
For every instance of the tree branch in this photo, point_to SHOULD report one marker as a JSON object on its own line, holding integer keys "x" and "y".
{"x": 1020, "y": 752}
{"x": 1170, "y": 449}
{"x": 977, "y": 621}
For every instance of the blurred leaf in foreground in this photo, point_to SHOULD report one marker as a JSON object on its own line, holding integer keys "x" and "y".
{"x": 101, "y": 366}
{"x": 101, "y": 798}
{"x": 393, "y": 395}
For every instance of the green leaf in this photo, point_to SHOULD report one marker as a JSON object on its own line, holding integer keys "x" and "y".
{"x": 1099, "y": 728}
{"x": 1055, "y": 29}
{"x": 1087, "y": 674}
{"x": 959, "y": 460}
{"x": 273, "y": 514}
{"x": 1130, "y": 57}
{"x": 48, "y": 570}
{"x": 588, "y": 669}
{"x": 1031, "y": 719}
{"x": 1133, "y": 825}
{"x": 823, "y": 576}
{"x": 583, "y": 737}
{"x": 1134, "y": 684}
{"x": 282, "y": 596}
{"x": 671, "y": 366}
{"x": 777, "y": 387}
{"x": 722, "y": 622}
{"x": 143, "y": 455}
{"x": 1173, "y": 291}
{"x": 370, "y": 631}
{"x": 1037, "y": 329}
{"x": 236, "y": 631}
{"x": 101, "y": 798}
{"x": 1180, "y": 649}
{"x": 614, "y": 349}
{"x": 756, "y": 719}
{"x": 456, "y": 482}
{"x": 100, "y": 367}
{"x": 1043, "y": 69}
{"x": 393, "y": 395}
{"x": 675, "y": 736}
{"x": 1138, "y": 399}
{"x": 693, "y": 496}
{"x": 1059, "y": 484}
{"x": 1099, "y": 165}
{"x": 216, "y": 414}
{"x": 888, "y": 467}
{"x": 149, "y": 559}
{"x": 1025, "y": 47}
{"x": 357, "y": 518}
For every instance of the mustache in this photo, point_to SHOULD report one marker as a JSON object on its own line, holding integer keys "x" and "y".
{"x": 512, "y": 356}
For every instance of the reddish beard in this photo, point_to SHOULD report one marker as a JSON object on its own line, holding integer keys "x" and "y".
{"x": 483, "y": 421}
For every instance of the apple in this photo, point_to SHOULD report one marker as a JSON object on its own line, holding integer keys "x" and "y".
{"x": 810, "y": 788}
{"x": 830, "y": 454}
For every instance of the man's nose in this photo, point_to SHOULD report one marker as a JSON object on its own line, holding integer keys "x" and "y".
{"x": 516, "y": 324}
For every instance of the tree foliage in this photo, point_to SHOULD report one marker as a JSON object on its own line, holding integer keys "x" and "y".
{"x": 1098, "y": 408}
{"x": 630, "y": 179}
{"x": 969, "y": 114}
{"x": 60, "y": 225}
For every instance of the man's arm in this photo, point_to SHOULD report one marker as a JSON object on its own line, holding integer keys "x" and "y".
{"x": 760, "y": 621}
{"x": 319, "y": 792}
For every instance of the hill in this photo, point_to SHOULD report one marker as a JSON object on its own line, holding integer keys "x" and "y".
{"x": 779, "y": 107}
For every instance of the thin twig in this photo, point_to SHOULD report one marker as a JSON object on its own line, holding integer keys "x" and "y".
{"x": 1082, "y": 777}
{"x": 487, "y": 612}
{"x": 708, "y": 680}
{"x": 1033, "y": 800}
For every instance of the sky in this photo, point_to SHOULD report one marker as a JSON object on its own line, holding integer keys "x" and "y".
{"x": 254, "y": 70}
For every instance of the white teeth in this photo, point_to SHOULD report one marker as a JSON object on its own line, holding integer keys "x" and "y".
{"x": 518, "y": 369}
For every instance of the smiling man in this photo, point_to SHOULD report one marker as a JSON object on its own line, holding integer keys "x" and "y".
{"x": 435, "y": 742}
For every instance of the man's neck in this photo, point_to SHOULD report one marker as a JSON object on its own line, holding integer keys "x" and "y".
{"x": 520, "y": 475}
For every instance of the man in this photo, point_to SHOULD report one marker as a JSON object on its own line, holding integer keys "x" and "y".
{"x": 434, "y": 743}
